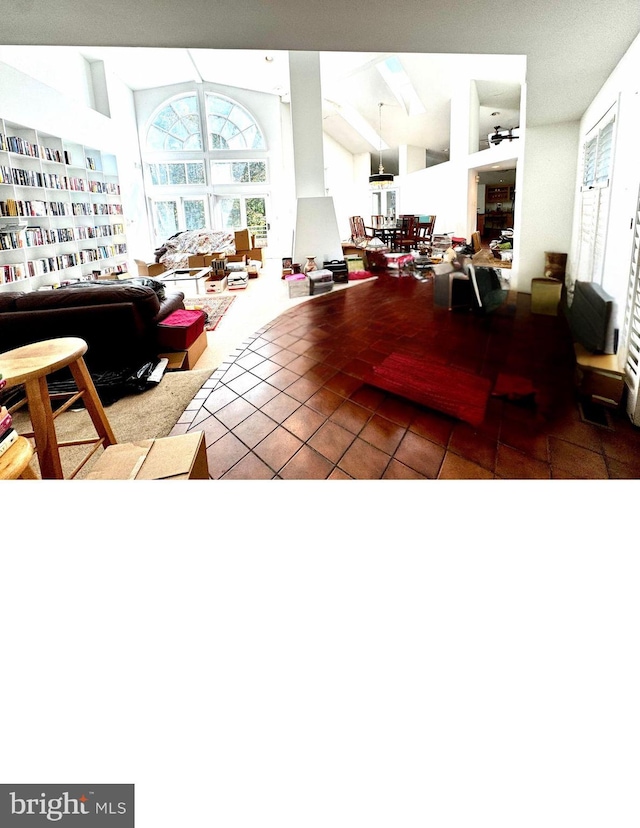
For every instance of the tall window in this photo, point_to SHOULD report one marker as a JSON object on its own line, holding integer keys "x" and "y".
{"x": 217, "y": 182}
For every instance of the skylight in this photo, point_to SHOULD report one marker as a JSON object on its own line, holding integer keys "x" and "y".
{"x": 398, "y": 82}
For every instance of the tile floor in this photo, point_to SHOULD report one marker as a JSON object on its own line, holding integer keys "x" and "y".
{"x": 290, "y": 402}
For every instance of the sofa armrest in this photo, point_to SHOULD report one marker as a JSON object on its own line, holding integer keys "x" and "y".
{"x": 172, "y": 302}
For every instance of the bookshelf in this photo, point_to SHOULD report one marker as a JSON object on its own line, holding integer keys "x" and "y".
{"x": 61, "y": 217}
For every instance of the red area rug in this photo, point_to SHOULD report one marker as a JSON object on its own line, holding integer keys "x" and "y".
{"x": 435, "y": 385}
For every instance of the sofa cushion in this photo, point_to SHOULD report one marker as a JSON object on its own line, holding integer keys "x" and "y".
{"x": 8, "y": 301}
{"x": 144, "y": 298}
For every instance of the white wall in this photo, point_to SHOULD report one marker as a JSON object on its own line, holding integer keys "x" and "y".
{"x": 339, "y": 168}
{"x": 545, "y": 186}
{"x": 55, "y": 66}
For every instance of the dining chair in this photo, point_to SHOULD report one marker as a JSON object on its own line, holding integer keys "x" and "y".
{"x": 377, "y": 222}
{"x": 358, "y": 230}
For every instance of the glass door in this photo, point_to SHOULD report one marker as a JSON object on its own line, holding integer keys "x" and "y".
{"x": 385, "y": 203}
{"x": 239, "y": 211}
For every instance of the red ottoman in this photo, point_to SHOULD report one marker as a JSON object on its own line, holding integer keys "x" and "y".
{"x": 180, "y": 329}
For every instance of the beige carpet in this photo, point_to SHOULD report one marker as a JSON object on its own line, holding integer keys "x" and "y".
{"x": 136, "y": 417}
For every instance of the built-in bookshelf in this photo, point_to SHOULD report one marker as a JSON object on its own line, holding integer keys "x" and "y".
{"x": 61, "y": 217}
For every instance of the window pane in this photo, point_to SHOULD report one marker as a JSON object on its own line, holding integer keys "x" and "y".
{"x": 153, "y": 173}
{"x": 194, "y": 142}
{"x": 219, "y": 106}
{"x": 230, "y": 209}
{"x": 155, "y": 138}
{"x": 166, "y": 218}
{"x": 240, "y": 171}
{"x": 228, "y": 119}
{"x": 186, "y": 106}
{"x": 256, "y": 217}
{"x": 221, "y": 172}
{"x": 177, "y": 174}
{"x": 194, "y": 214}
{"x": 229, "y": 130}
{"x": 217, "y": 141}
{"x": 162, "y": 174}
{"x": 237, "y": 142}
{"x": 175, "y": 124}
{"x": 257, "y": 171}
{"x": 195, "y": 173}
{"x": 166, "y": 118}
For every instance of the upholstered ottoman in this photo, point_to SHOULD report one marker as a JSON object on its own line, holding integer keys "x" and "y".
{"x": 181, "y": 329}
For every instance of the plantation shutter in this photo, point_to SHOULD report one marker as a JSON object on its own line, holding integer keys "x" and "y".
{"x": 631, "y": 326}
{"x": 594, "y": 212}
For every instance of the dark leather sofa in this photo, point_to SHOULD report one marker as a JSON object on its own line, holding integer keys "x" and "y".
{"x": 118, "y": 320}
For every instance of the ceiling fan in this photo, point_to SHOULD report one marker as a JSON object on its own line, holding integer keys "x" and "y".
{"x": 501, "y": 135}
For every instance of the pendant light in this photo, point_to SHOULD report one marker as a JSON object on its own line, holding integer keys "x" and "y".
{"x": 382, "y": 179}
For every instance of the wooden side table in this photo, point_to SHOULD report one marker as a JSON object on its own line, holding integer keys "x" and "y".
{"x": 29, "y": 366}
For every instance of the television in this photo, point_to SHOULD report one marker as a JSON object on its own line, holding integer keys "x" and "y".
{"x": 591, "y": 317}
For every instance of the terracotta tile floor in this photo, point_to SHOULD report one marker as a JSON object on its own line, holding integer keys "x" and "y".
{"x": 290, "y": 403}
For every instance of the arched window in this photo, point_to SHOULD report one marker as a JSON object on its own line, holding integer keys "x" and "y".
{"x": 176, "y": 126}
{"x": 230, "y": 126}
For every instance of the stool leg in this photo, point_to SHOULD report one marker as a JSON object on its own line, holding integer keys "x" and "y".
{"x": 44, "y": 431}
{"x": 92, "y": 401}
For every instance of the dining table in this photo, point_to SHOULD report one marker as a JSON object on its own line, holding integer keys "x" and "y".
{"x": 389, "y": 233}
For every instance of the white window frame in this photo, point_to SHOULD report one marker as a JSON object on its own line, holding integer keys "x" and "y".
{"x": 597, "y": 150}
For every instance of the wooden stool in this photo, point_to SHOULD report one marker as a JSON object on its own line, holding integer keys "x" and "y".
{"x": 30, "y": 366}
{"x": 14, "y": 463}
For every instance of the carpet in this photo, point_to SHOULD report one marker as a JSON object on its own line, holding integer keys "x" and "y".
{"x": 214, "y": 306}
{"x": 144, "y": 416}
{"x": 435, "y": 385}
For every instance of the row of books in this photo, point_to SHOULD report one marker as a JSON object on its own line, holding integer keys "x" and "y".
{"x": 34, "y": 209}
{"x": 38, "y": 267}
{"x": 10, "y": 240}
{"x": 37, "y": 236}
{"x": 38, "y": 209}
{"x": 12, "y": 273}
{"x": 13, "y": 143}
{"x": 52, "y": 181}
{"x": 8, "y": 434}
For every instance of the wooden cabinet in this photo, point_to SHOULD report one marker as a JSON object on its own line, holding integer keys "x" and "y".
{"x": 61, "y": 213}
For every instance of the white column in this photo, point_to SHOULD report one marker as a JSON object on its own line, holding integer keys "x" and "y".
{"x": 316, "y": 230}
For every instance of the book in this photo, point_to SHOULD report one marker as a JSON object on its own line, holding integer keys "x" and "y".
{"x": 5, "y": 420}
{"x": 9, "y": 439}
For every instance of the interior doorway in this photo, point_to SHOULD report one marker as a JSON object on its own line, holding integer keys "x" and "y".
{"x": 496, "y": 196}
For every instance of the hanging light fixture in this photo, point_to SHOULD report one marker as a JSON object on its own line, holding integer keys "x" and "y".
{"x": 382, "y": 179}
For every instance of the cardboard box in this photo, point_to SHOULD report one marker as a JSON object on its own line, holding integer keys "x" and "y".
{"x": 354, "y": 263}
{"x": 215, "y": 284}
{"x": 195, "y": 351}
{"x": 545, "y": 296}
{"x": 183, "y": 457}
{"x": 598, "y": 376}
{"x": 242, "y": 240}
{"x": 237, "y": 257}
{"x": 257, "y": 254}
{"x": 298, "y": 285}
{"x": 186, "y": 359}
